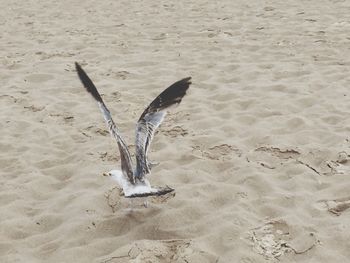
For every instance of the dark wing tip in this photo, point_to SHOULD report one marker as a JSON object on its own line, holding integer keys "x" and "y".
{"x": 87, "y": 82}
{"x": 187, "y": 80}
{"x": 79, "y": 70}
{"x": 170, "y": 96}
{"x": 184, "y": 83}
{"x": 181, "y": 86}
{"x": 175, "y": 92}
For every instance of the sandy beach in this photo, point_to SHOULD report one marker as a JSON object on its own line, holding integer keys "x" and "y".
{"x": 258, "y": 151}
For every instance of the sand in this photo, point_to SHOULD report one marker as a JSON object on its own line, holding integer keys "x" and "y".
{"x": 258, "y": 151}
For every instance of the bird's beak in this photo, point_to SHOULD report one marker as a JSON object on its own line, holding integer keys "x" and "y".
{"x": 106, "y": 174}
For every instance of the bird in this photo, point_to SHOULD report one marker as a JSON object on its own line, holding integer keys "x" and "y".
{"x": 132, "y": 178}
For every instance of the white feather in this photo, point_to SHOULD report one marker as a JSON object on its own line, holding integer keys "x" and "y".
{"x": 130, "y": 189}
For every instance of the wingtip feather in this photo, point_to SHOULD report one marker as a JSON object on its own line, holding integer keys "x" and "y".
{"x": 87, "y": 82}
{"x": 78, "y": 68}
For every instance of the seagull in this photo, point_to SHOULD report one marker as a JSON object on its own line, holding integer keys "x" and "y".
{"x": 132, "y": 179}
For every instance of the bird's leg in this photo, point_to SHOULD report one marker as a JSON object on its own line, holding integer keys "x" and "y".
{"x": 145, "y": 202}
{"x": 131, "y": 204}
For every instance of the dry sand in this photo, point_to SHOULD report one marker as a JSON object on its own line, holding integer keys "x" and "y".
{"x": 258, "y": 151}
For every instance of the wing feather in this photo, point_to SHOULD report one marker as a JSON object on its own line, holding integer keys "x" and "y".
{"x": 126, "y": 162}
{"x": 150, "y": 120}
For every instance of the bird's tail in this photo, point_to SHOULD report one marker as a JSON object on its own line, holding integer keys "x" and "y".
{"x": 154, "y": 192}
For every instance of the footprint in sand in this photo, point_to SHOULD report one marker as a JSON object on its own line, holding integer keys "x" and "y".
{"x": 336, "y": 206}
{"x": 44, "y": 55}
{"x": 65, "y": 117}
{"x": 119, "y": 74}
{"x": 341, "y": 165}
{"x": 157, "y": 251}
{"x": 96, "y": 130}
{"x": 271, "y": 157}
{"x": 316, "y": 160}
{"x": 277, "y": 238}
{"x": 321, "y": 162}
{"x": 286, "y": 153}
{"x": 116, "y": 200}
{"x": 34, "y": 108}
{"x": 217, "y": 152}
{"x": 109, "y": 157}
{"x": 175, "y": 132}
{"x": 9, "y": 98}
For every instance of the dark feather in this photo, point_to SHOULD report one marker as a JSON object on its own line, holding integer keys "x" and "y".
{"x": 170, "y": 96}
{"x": 150, "y": 120}
{"x": 87, "y": 82}
{"x": 126, "y": 163}
{"x": 161, "y": 191}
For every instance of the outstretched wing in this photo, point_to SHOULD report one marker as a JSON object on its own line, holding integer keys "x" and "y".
{"x": 126, "y": 163}
{"x": 150, "y": 120}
